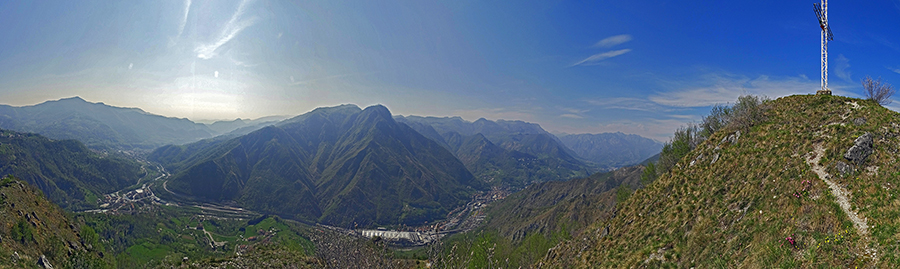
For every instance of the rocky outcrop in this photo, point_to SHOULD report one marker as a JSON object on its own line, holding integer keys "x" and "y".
{"x": 44, "y": 262}
{"x": 843, "y": 168}
{"x": 861, "y": 149}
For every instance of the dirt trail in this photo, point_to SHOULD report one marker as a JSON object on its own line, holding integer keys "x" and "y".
{"x": 842, "y": 195}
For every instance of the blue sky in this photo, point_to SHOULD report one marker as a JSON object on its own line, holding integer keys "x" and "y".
{"x": 643, "y": 67}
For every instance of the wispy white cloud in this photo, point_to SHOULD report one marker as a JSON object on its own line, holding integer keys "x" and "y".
{"x": 884, "y": 41}
{"x": 314, "y": 80}
{"x": 841, "y": 64}
{"x": 571, "y": 116}
{"x": 237, "y": 62}
{"x": 601, "y": 56}
{"x": 896, "y": 70}
{"x": 187, "y": 10}
{"x": 573, "y": 110}
{"x": 685, "y": 117}
{"x": 234, "y": 26}
{"x": 628, "y": 103}
{"x": 612, "y": 41}
{"x": 720, "y": 89}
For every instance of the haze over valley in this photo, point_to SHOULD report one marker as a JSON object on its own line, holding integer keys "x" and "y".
{"x": 449, "y": 134}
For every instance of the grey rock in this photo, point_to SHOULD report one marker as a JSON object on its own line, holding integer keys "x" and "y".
{"x": 44, "y": 262}
{"x": 732, "y": 138}
{"x": 694, "y": 161}
{"x": 859, "y": 121}
{"x": 861, "y": 149}
{"x": 843, "y": 168}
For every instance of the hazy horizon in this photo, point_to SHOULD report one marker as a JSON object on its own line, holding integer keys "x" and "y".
{"x": 637, "y": 67}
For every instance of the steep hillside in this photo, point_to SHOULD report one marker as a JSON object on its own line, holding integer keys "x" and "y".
{"x": 565, "y": 206}
{"x": 611, "y": 150}
{"x": 35, "y": 233}
{"x": 68, "y": 172}
{"x": 522, "y": 227}
{"x": 783, "y": 193}
{"x": 339, "y": 165}
{"x": 100, "y": 125}
{"x": 505, "y": 153}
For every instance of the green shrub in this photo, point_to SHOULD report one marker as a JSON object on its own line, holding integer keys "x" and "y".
{"x": 747, "y": 112}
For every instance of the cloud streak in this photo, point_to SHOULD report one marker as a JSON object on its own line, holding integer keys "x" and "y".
{"x": 187, "y": 10}
{"x": 628, "y": 103}
{"x": 721, "y": 89}
{"x": 895, "y": 70}
{"x": 234, "y": 26}
{"x": 841, "y": 64}
{"x": 593, "y": 59}
{"x": 612, "y": 41}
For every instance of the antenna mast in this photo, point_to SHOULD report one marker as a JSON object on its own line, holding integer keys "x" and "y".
{"x": 822, "y": 14}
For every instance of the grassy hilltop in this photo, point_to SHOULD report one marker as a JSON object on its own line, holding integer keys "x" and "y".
{"x": 734, "y": 200}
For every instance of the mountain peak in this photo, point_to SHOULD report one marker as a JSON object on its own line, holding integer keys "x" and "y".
{"x": 376, "y": 112}
{"x": 345, "y": 107}
{"x": 378, "y": 108}
{"x": 73, "y": 99}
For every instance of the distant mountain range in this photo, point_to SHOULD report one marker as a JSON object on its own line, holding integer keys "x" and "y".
{"x": 242, "y": 126}
{"x": 512, "y": 153}
{"x": 316, "y": 162}
{"x": 100, "y": 125}
{"x": 338, "y": 165}
{"x": 611, "y": 150}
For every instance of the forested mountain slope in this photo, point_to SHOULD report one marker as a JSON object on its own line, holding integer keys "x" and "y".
{"x": 69, "y": 173}
{"x": 522, "y": 227}
{"x": 338, "y": 165}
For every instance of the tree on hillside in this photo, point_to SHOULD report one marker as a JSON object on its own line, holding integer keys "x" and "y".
{"x": 878, "y": 91}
